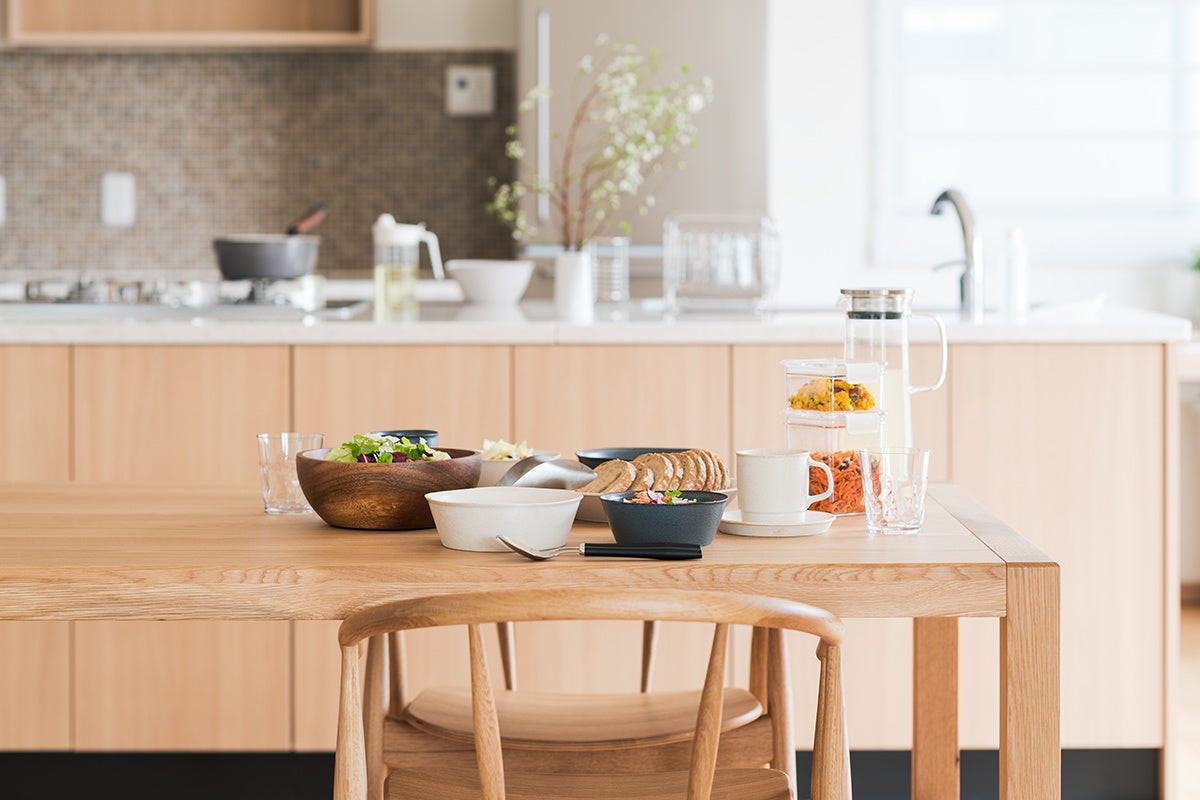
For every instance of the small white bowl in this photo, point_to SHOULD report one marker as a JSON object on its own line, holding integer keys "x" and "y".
{"x": 471, "y": 519}
{"x": 492, "y": 471}
{"x": 489, "y": 282}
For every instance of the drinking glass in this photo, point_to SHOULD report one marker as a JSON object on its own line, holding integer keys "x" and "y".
{"x": 610, "y": 268}
{"x": 894, "y": 483}
{"x": 277, "y": 460}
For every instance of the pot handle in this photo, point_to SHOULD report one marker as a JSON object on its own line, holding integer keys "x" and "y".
{"x": 435, "y": 253}
{"x": 941, "y": 326}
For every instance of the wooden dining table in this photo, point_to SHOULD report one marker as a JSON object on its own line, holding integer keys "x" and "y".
{"x": 73, "y": 551}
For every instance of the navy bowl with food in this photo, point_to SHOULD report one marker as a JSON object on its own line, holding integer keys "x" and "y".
{"x": 689, "y": 517}
{"x": 596, "y": 457}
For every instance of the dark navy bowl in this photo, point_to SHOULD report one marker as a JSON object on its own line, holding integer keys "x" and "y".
{"x": 430, "y": 437}
{"x": 645, "y": 523}
{"x": 594, "y": 458}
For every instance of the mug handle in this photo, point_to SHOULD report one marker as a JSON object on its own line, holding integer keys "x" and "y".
{"x": 812, "y": 462}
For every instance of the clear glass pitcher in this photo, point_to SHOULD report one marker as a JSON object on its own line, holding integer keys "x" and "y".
{"x": 396, "y": 262}
{"x": 877, "y": 331}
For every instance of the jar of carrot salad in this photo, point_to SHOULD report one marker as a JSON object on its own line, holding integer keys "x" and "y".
{"x": 834, "y": 438}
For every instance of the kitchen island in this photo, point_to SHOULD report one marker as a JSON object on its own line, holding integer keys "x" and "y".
{"x": 1065, "y": 428}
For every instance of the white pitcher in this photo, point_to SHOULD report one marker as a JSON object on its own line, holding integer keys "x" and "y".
{"x": 397, "y": 243}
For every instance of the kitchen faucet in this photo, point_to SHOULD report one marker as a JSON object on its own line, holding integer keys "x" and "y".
{"x": 971, "y": 283}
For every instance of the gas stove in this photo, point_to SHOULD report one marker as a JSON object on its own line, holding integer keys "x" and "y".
{"x": 180, "y": 289}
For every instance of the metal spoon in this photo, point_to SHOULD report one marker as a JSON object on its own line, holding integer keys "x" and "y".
{"x": 663, "y": 550}
{"x": 548, "y": 473}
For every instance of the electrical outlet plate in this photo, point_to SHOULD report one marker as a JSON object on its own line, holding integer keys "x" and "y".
{"x": 470, "y": 90}
{"x": 118, "y": 199}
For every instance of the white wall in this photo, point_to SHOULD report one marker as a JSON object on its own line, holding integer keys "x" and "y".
{"x": 819, "y": 101}
{"x": 446, "y": 24}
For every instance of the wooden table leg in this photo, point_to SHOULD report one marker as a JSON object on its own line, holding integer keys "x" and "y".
{"x": 935, "y": 709}
{"x": 1030, "y": 751}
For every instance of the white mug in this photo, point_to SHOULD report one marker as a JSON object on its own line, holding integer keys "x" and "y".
{"x": 773, "y": 485}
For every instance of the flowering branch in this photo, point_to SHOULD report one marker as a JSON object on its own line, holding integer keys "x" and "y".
{"x": 623, "y": 132}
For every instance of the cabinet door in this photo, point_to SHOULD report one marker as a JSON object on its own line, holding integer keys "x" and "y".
{"x": 176, "y": 22}
{"x": 1066, "y": 444}
{"x": 878, "y": 703}
{"x": 572, "y": 397}
{"x": 179, "y": 415}
{"x": 461, "y": 392}
{"x": 182, "y": 685}
{"x": 35, "y": 413}
{"x": 464, "y": 393}
{"x": 35, "y": 425}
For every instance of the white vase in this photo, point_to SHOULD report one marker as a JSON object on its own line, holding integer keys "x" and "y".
{"x": 574, "y": 295}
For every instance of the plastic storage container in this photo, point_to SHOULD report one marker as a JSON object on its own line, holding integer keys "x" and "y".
{"x": 835, "y": 438}
{"x": 830, "y": 384}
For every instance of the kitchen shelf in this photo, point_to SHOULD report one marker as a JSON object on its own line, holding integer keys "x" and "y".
{"x": 186, "y": 23}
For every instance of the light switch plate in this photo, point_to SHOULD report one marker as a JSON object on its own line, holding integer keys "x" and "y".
{"x": 470, "y": 90}
{"x": 118, "y": 199}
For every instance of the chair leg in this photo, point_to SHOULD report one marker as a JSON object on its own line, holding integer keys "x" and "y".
{"x": 779, "y": 707}
{"x": 758, "y": 664}
{"x": 397, "y": 674}
{"x": 375, "y": 703}
{"x": 831, "y": 749}
{"x": 350, "y": 765}
{"x": 649, "y": 651}
{"x": 506, "y": 633}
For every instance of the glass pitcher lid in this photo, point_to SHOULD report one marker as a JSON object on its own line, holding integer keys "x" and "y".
{"x": 877, "y": 303}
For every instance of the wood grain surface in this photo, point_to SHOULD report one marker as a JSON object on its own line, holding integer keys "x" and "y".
{"x": 78, "y": 551}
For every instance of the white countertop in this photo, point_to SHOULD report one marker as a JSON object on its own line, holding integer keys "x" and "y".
{"x": 533, "y": 323}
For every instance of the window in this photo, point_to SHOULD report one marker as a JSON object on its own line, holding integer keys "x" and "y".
{"x": 1077, "y": 121}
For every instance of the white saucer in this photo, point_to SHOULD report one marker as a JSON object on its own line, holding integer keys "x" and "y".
{"x": 814, "y": 522}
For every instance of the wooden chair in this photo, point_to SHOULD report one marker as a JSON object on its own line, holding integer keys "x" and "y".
{"x": 583, "y": 733}
{"x": 494, "y": 778}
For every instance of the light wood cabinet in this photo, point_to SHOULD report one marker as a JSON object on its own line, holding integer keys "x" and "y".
{"x": 35, "y": 426}
{"x": 182, "y": 685}
{"x": 35, "y": 413}
{"x": 125, "y": 23}
{"x": 1065, "y": 443}
{"x": 179, "y": 414}
{"x": 570, "y": 397}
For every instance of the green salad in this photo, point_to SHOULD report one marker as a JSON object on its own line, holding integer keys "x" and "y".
{"x": 369, "y": 448}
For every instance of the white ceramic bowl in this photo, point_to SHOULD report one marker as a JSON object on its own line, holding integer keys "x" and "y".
{"x": 492, "y": 471}
{"x": 490, "y": 282}
{"x": 471, "y": 519}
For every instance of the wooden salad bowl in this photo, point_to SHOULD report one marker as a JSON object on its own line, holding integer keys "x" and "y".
{"x": 385, "y": 497}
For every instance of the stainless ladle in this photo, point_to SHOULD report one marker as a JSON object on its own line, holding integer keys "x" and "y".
{"x": 663, "y": 550}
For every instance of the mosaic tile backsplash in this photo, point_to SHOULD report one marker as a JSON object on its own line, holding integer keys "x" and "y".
{"x": 242, "y": 143}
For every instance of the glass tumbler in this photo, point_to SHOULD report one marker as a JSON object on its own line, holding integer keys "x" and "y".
{"x": 894, "y": 484}
{"x": 610, "y": 268}
{"x": 277, "y": 462}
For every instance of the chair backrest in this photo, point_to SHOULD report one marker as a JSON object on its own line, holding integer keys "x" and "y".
{"x": 830, "y": 752}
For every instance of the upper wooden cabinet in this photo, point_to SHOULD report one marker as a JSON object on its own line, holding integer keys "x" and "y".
{"x": 245, "y": 23}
